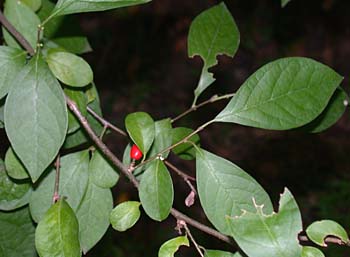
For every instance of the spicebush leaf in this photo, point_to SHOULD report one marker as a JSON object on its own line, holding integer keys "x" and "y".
{"x": 14, "y": 166}
{"x": 284, "y": 94}
{"x": 23, "y": 19}
{"x": 70, "y": 69}
{"x": 75, "y": 45}
{"x": 309, "y": 251}
{"x": 64, "y": 7}
{"x": 32, "y": 4}
{"x": 36, "y": 117}
{"x": 73, "y": 183}
{"x": 93, "y": 215}
{"x": 212, "y": 33}
{"x": 125, "y": 215}
{"x": 225, "y": 189}
{"x": 319, "y": 230}
{"x": 217, "y": 253}
{"x": 185, "y": 151}
{"x": 57, "y": 234}
{"x": 276, "y": 234}
{"x": 140, "y": 127}
{"x": 80, "y": 99}
{"x": 156, "y": 191}
{"x": 17, "y": 234}
{"x": 162, "y": 138}
{"x": 12, "y": 61}
{"x": 170, "y": 247}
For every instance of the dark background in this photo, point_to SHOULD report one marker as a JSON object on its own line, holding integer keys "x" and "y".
{"x": 140, "y": 63}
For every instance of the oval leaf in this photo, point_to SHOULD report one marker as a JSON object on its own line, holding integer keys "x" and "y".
{"x": 283, "y": 94}
{"x": 140, "y": 127}
{"x": 185, "y": 151}
{"x": 225, "y": 189}
{"x": 36, "y": 117}
{"x": 93, "y": 216}
{"x": 212, "y": 33}
{"x": 57, "y": 234}
{"x": 309, "y": 251}
{"x": 156, "y": 191}
{"x": 277, "y": 232}
{"x": 17, "y": 234}
{"x": 73, "y": 183}
{"x": 69, "y": 68}
{"x": 217, "y": 253}
{"x": 170, "y": 247}
{"x": 75, "y": 45}
{"x": 319, "y": 230}
{"x": 125, "y": 215}
{"x": 14, "y": 166}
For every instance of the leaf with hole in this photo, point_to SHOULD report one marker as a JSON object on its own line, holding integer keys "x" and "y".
{"x": 309, "y": 251}
{"x": 225, "y": 189}
{"x": 156, "y": 191}
{"x": 36, "y": 117}
{"x": 275, "y": 233}
{"x": 57, "y": 234}
{"x": 185, "y": 151}
{"x": 125, "y": 215}
{"x": 14, "y": 166}
{"x": 319, "y": 230}
{"x": 170, "y": 247}
{"x": 284, "y": 94}
{"x": 212, "y": 33}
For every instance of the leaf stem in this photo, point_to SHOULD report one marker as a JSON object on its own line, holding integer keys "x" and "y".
{"x": 56, "y": 195}
{"x": 188, "y": 232}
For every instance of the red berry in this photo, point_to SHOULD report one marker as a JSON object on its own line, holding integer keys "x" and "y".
{"x": 135, "y": 153}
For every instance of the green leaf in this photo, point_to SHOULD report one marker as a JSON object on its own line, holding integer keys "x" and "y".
{"x": 64, "y": 7}
{"x": 57, "y": 233}
{"x": 225, "y": 189}
{"x": 80, "y": 99}
{"x": 140, "y": 127}
{"x": 319, "y": 230}
{"x": 2, "y": 105}
{"x": 185, "y": 151}
{"x": 13, "y": 194}
{"x": 309, "y": 251}
{"x": 70, "y": 69}
{"x": 102, "y": 173}
{"x": 212, "y": 33}
{"x": 17, "y": 234}
{"x": 93, "y": 215}
{"x": 12, "y": 61}
{"x": 283, "y": 94}
{"x": 75, "y": 45}
{"x": 23, "y": 19}
{"x": 217, "y": 253}
{"x": 261, "y": 235}
{"x": 32, "y": 4}
{"x": 14, "y": 166}
{"x": 125, "y": 215}
{"x": 36, "y": 117}
{"x": 156, "y": 191}
{"x": 51, "y": 27}
{"x": 73, "y": 183}
{"x": 333, "y": 112}
{"x": 284, "y": 2}
{"x": 170, "y": 247}
{"x": 162, "y": 138}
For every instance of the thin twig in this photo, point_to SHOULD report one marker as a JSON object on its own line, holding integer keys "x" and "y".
{"x": 105, "y": 122}
{"x": 188, "y": 232}
{"x": 18, "y": 36}
{"x": 56, "y": 195}
{"x": 212, "y": 99}
{"x": 179, "y": 172}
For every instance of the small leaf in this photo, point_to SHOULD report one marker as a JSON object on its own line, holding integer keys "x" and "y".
{"x": 64, "y": 7}
{"x": 170, "y": 247}
{"x": 80, "y": 99}
{"x": 17, "y": 234}
{"x": 309, "y": 251}
{"x": 277, "y": 232}
{"x": 125, "y": 215}
{"x": 13, "y": 194}
{"x": 185, "y": 151}
{"x": 73, "y": 183}
{"x": 53, "y": 24}
{"x": 217, "y": 253}
{"x": 36, "y": 117}
{"x": 23, "y": 19}
{"x": 12, "y": 61}
{"x": 75, "y": 45}
{"x": 333, "y": 112}
{"x": 212, "y": 33}
{"x": 57, "y": 233}
{"x": 225, "y": 189}
{"x": 14, "y": 166}
{"x": 70, "y": 69}
{"x": 93, "y": 215}
{"x": 32, "y": 4}
{"x": 156, "y": 191}
{"x": 102, "y": 173}
{"x": 284, "y": 2}
{"x": 140, "y": 127}
{"x": 319, "y": 230}
{"x": 283, "y": 94}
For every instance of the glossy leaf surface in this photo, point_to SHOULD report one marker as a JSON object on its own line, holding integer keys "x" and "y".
{"x": 125, "y": 215}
